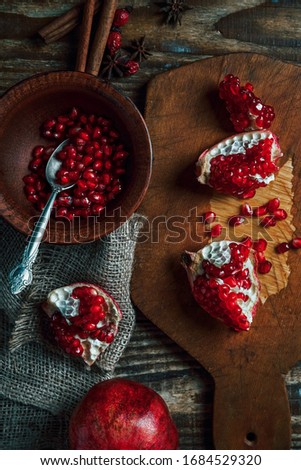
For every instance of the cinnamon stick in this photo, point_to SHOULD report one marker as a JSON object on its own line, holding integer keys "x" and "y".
{"x": 84, "y": 38}
{"x": 101, "y": 36}
{"x": 62, "y": 25}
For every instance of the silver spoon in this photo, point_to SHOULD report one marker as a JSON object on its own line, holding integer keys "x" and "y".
{"x": 21, "y": 276}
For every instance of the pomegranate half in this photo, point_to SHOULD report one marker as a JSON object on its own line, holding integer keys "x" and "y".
{"x": 240, "y": 164}
{"x": 120, "y": 414}
{"x": 84, "y": 319}
{"x": 224, "y": 282}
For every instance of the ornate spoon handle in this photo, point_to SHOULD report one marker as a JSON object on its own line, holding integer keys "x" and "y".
{"x": 21, "y": 276}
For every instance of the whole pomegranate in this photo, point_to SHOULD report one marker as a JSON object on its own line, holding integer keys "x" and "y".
{"x": 120, "y": 414}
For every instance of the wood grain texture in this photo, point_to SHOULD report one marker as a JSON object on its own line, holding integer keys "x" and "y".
{"x": 246, "y": 368}
{"x": 210, "y": 29}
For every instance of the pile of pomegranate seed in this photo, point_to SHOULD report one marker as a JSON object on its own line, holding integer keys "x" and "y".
{"x": 272, "y": 208}
{"x": 83, "y": 318}
{"x": 247, "y": 111}
{"x": 95, "y": 159}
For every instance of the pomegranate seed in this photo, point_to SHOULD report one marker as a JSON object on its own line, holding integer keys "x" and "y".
{"x": 247, "y": 242}
{"x": 280, "y": 214}
{"x": 264, "y": 267}
{"x": 282, "y": 247}
{"x": 260, "y": 211}
{"x": 246, "y": 210}
{"x": 260, "y": 256}
{"x": 296, "y": 243}
{"x": 49, "y": 124}
{"x": 260, "y": 244}
{"x": 236, "y": 220}
{"x": 216, "y": 230}
{"x": 209, "y": 217}
{"x": 268, "y": 221}
{"x": 96, "y": 209}
{"x": 273, "y": 204}
{"x": 38, "y": 151}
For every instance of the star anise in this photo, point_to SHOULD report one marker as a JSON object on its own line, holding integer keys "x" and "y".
{"x": 113, "y": 65}
{"x": 173, "y": 10}
{"x": 138, "y": 50}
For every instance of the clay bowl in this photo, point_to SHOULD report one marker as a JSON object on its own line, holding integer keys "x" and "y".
{"x": 22, "y": 110}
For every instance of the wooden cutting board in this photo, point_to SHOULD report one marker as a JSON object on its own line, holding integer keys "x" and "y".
{"x": 184, "y": 117}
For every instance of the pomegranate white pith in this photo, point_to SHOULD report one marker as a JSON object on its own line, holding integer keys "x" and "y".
{"x": 84, "y": 319}
{"x": 240, "y": 164}
{"x": 224, "y": 282}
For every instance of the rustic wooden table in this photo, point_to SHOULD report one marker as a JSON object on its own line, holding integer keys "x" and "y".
{"x": 212, "y": 27}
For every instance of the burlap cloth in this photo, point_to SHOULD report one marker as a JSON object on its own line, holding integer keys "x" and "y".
{"x": 39, "y": 385}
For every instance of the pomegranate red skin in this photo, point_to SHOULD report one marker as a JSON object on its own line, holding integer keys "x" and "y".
{"x": 120, "y": 414}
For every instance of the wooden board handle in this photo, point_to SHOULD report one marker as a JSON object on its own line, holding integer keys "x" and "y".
{"x": 251, "y": 412}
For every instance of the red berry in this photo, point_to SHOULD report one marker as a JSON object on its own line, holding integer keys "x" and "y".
{"x": 114, "y": 42}
{"x": 132, "y": 67}
{"x": 121, "y": 16}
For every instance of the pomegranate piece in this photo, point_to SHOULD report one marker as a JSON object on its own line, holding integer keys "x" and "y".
{"x": 282, "y": 247}
{"x": 84, "y": 319}
{"x": 224, "y": 282}
{"x": 209, "y": 217}
{"x": 296, "y": 243}
{"x": 240, "y": 164}
{"x": 120, "y": 414}
{"x": 247, "y": 111}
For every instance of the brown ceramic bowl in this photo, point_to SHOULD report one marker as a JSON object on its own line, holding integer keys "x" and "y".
{"x": 22, "y": 110}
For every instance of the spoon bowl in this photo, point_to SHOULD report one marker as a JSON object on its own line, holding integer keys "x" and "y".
{"x": 53, "y": 166}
